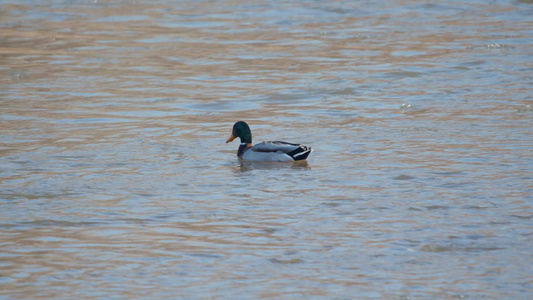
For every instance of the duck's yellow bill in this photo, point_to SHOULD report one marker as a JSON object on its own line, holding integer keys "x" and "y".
{"x": 231, "y": 138}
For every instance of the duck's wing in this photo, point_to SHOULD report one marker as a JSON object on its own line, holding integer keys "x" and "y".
{"x": 274, "y": 146}
{"x": 294, "y": 151}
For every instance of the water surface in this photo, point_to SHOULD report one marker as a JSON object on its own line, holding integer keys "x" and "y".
{"x": 116, "y": 182}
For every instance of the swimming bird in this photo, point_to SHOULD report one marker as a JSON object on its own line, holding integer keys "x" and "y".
{"x": 266, "y": 151}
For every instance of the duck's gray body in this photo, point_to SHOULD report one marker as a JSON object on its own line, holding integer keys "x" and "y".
{"x": 273, "y": 151}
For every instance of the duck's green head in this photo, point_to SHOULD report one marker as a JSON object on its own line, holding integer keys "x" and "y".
{"x": 241, "y": 130}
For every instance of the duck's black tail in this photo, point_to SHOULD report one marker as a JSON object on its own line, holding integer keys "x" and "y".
{"x": 300, "y": 153}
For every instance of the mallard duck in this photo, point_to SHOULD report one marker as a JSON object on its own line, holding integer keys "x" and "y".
{"x": 266, "y": 151}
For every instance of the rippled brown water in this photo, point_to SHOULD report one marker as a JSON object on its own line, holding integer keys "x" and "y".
{"x": 115, "y": 181}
